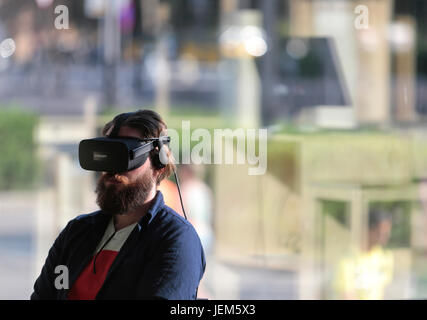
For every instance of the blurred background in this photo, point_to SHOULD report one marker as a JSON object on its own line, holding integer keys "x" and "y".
{"x": 341, "y": 86}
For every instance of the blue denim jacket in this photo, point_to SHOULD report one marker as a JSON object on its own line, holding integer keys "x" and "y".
{"x": 162, "y": 258}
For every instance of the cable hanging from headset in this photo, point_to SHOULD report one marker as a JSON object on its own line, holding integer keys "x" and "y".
{"x": 179, "y": 192}
{"x": 97, "y": 254}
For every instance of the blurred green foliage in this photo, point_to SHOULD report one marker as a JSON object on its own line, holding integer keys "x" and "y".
{"x": 18, "y": 160}
{"x": 338, "y": 210}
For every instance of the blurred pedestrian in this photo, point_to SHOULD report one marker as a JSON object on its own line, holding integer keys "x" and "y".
{"x": 366, "y": 275}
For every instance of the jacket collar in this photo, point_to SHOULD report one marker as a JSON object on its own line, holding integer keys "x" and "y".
{"x": 158, "y": 204}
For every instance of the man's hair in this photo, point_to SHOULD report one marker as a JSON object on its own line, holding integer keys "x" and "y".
{"x": 150, "y": 125}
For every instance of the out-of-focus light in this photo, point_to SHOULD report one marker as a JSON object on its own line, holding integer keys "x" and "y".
{"x": 401, "y": 36}
{"x": 256, "y": 46}
{"x": 369, "y": 39}
{"x": 94, "y": 8}
{"x": 7, "y": 48}
{"x": 44, "y": 3}
{"x": 297, "y": 48}
{"x": 237, "y": 41}
{"x": 230, "y": 38}
{"x": 253, "y": 40}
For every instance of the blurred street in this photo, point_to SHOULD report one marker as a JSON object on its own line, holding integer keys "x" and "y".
{"x": 17, "y": 250}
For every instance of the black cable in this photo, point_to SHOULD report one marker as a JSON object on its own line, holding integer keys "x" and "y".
{"x": 96, "y": 256}
{"x": 183, "y": 210}
{"x": 179, "y": 192}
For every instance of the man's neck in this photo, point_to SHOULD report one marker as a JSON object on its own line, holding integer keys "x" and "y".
{"x": 123, "y": 220}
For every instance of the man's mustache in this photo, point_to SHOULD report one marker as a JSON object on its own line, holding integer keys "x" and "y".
{"x": 115, "y": 178}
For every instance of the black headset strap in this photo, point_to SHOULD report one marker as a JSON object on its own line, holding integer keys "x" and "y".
{"x": 118, "y": 123}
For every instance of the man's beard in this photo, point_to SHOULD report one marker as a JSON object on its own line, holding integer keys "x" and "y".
{"x": 118, "y": 198}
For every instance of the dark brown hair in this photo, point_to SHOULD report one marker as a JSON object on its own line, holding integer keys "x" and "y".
{"x": 150, "y": 125}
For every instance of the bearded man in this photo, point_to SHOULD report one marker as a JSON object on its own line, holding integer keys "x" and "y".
{"x": 135, "y": 247}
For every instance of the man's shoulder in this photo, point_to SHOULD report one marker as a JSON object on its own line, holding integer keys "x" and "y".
{"x": 89, "y": 216}
{"x": 173, "y": 222}
{"x": 170, "y": 216}
{"x": 182, "y": 234}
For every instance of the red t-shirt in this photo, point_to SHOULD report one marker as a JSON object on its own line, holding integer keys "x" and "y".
{"x": 90, "y": 281}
